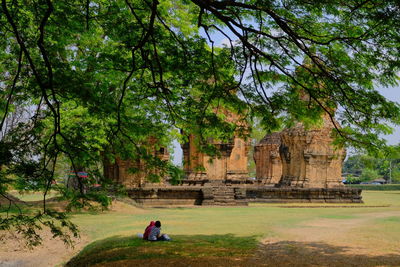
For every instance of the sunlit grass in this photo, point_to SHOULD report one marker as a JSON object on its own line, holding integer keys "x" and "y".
{"x": 32, "y": 196}
{"x": 255, "y": 220}
{"x": 391, "y": 198}
{"x": 234, "y": 231}
{"x": 227, "y": 227}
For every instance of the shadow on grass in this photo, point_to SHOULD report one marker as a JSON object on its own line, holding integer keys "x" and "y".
{"x": 132, "y": 249}
{"x": 224, "y": 250}
{"x": 290, "y": 253}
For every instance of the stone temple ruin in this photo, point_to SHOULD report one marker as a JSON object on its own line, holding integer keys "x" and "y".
{"x": 134, "y": 173}
{"x": 295, "y": 165}
{"x": 308, "y": 158}
{"x": 230, "y": 166}
{"x": 268, "y": 160}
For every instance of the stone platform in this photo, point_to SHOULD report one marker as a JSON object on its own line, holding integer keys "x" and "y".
{"x": 303, "y": 195}
{"x": 240, "y": 195}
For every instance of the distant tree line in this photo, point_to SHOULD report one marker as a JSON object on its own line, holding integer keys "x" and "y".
{"x": 365, "y": 168}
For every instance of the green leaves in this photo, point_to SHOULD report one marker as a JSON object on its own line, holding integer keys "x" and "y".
{"x": 87, "y": 80}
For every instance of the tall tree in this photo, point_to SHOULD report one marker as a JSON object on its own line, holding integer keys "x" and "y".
{"x": 107, "y": 74}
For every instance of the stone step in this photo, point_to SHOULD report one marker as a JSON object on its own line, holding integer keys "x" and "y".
{"x": 223, "y": 189}
{"x": 224, "y": 199}
{"x": 218, "y": 190}
{"x": 230, "y": 203}
{"x": 224, "y": 196}
{"x": 225, "y": 204}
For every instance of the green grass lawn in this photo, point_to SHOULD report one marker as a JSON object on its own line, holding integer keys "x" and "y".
{"x": 32, "y": 196}
{"x": 227, "y": 232}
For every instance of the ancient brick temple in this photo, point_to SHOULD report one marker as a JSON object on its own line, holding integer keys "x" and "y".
{"x": 229, "y": 165}
{"x": 268, "y": 160}
{"x": 309, "y": 159}
{"x": 299, "y": 157}
{"x": 310, "y": 168}
{"x": 298, "y": 164}
{"x": 135, "y": 173}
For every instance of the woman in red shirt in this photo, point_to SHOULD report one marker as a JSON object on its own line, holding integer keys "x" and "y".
{"x": 148, "y": 230}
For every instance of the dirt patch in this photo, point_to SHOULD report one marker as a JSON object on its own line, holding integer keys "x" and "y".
{"x": 7, "y": 198}
{"x": 292, "y": 253}
{"x": 126, "y": 208}
{"x": 14, "y": 252}
{"x": 327, "y": 242}
{"x": 333, "y": 231}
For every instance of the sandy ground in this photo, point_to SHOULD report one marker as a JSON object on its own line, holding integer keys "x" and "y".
{"x": 52, "y": 252}
{"x": 13, "y": 251}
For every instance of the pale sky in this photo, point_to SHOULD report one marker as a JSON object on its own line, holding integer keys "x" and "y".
{"x": 392, "y": 94}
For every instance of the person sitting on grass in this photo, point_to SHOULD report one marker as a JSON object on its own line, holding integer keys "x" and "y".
{"x": 148, "y": 230}
{"x": 155, "y": 233}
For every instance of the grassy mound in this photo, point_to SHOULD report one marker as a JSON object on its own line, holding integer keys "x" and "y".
{"x": 129, "y": 250}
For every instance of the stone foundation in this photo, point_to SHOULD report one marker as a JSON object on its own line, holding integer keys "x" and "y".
{"x": 174, "y": 195}
{"x": 304, "y": 195}
{"x": 240, "y": 195}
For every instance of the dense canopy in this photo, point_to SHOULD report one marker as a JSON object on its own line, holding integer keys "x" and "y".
{"x": 82, "y": 79}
